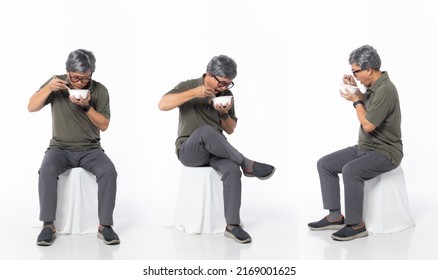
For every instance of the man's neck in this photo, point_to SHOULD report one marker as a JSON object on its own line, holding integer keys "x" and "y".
{"x": 376, "y": 75}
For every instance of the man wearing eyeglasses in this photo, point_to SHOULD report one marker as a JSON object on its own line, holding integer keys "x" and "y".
{"x": 76, "y": 126}
{"x": 379, "y": 148}
{"x": 201, "y": 141}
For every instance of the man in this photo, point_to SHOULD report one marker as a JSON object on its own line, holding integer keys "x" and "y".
{"x": 379, "y": 148}
{"x": 201, "y": 142}
{"x": 76, "y": 126}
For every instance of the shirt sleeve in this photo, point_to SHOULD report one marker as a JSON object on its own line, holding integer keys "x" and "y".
{"x": 50, "y": 97}
{"x": 183, "y": 86}
{"x": 101, "y": 102}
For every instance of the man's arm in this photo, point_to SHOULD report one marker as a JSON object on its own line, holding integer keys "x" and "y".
{"x": 227, "y": 122}
{"x": 171, "y": 101}
{"x": 361, "y": 113}
{"x": 96, "y": 118}
{"x": 37, "y": 100}
{"x": 360, "y": 110}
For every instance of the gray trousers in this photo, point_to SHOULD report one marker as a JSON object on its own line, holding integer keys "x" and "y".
{"x": 356, "y": 166}
{"x": 208, "y": 147}
{"x": 57, "y": 161}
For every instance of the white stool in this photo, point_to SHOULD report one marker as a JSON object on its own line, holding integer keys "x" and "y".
{"x": 76, "y": 211}
{"x": 386, "y": 205}
{"x": 200, "y": 204}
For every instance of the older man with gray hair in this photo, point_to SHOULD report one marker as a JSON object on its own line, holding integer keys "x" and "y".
{"x": 378, "y": 150}
{"x": 201, "y": 141}
{"x": 76, "y": 126}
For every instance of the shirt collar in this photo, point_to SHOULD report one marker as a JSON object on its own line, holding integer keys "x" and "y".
{"x": 379, "y": 81}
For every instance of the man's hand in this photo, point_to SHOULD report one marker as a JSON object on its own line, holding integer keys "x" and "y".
{"x": 56, "y": 84}
{"x": 203, "y": 92}
{"x": 350, "y": 96}
{"x": 349, "y": 80}
{"x": 81, "y": 102}
{"x": 222, "y": 109}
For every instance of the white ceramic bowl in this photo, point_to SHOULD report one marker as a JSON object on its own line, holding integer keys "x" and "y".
{"x": 222, "y": 100}
{"x": 78, "y": 93}
{"x": 351, "y": 89}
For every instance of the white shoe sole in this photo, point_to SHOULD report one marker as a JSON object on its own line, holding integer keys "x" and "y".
{"x": 230, "y": 235}
{"x": 359, "y": 235}
{"x": 261, "y": 178}
{"x": 112, "y": 242}
{"x": 329, "y": 227}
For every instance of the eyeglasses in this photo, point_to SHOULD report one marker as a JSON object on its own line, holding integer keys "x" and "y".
{"x": 357, "y": 71}
{"x": 222, "y": 83}
{"x": 76, "y": 79}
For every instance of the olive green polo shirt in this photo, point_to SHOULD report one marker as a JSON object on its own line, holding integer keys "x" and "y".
{"x": 383, "y": 110}
{"x": 197, "y": 111}
{"x": 71, "y": 127}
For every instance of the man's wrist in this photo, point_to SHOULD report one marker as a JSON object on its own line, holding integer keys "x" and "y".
{"x": 357, "y": 102}
{"x": 86, "y": 108}
{"x": 225, "y": 116}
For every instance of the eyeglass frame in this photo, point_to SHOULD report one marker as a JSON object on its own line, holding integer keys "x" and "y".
{"x": 83, "y": 80}
{"x": 357, "y": 71}
{"x": 223, "y": 83}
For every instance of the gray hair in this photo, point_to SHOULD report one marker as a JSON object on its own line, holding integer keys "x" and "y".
{"x": 222, "y": 66}
{"x": 81, "y": 61}
{"x": 366, "y": 57}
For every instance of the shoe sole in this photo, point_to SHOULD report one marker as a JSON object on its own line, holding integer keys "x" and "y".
{"x": 229, "y": 235}
{"x": 45, "y": 243}
{"x": 359, "y": 235}
{"x": 329, "y": 227}
{"x": 261, "y": 178}
{"x": 112, "y": 242}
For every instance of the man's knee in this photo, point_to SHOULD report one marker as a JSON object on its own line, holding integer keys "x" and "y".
{"x": 108, "y": 169}
{"x": 232, "y": 169}
{"x": 206, "y": 130}
{"x": 349, "y": 171}
{"x": 48, "y": 170}
{"x": 322, "y": 163}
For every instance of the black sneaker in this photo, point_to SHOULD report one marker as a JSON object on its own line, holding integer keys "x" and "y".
{"x": 46, "y": 236}
{"x": 260, "y": 170}
{"x": 350, "y": 232}
{"x": 324, "y": 224}
{"x": 238, "y": 234}
{"x": 108, "y": 236}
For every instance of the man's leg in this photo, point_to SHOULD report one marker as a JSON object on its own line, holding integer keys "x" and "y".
{"x": 99, "y": 164}
{"x": 204, "y": 142}
{"x": 329, "y": 167}
{"x": 55, "y": 162}
{"x": 368, "y": 165}
{"x": 231, "y": 179}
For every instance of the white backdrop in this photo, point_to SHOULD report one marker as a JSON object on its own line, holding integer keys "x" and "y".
{"x": 291, "y": 56}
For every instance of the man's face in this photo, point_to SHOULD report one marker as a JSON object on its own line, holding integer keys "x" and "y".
{"x": 79, "y": 80}
{"x": 362, "y": 75}
{"x": 218, "y": 84}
